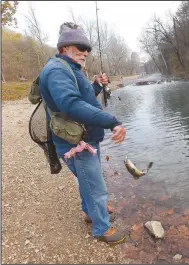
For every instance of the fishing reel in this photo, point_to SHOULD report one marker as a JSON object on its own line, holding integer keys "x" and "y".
{"x": 108, "y": 92}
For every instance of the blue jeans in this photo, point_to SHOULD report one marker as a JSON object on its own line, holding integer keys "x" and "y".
{"x": 93, "y": 191}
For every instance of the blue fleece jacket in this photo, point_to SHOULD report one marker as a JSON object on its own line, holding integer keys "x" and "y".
{"x": 59, "y": 90}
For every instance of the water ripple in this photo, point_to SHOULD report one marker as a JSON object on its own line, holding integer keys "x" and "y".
{"x": 156, "y": 118}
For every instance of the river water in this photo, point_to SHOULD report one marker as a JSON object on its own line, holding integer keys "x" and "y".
{"x": 156, "y": 118}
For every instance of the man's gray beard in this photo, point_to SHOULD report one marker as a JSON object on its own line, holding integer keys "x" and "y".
{"x": 82, "y": 64}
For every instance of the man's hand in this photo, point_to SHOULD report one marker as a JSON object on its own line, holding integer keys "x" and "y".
{"x": 101, "y": 79}
{"x": 119, "y": 133}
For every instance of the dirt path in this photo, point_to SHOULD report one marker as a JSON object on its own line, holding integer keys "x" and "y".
{"x": 41, "y": 217}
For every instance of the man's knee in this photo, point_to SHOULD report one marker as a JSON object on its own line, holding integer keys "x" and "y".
{"x": 100, "y": 192}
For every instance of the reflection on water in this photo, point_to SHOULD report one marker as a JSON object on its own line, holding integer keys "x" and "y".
{"x": 157, "y": 121}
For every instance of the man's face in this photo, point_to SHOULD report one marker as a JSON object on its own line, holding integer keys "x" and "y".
{"x": 79, "y": 54}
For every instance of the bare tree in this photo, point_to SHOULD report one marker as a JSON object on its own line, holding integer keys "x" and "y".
{"x": 115, "y": 52}
{"x": 34, "y": 31}
{"x": 72, "y": 15}
{"x": 148, "y": 46}
{"x": 168, "y": 42}
{"x": 170, "y": 38}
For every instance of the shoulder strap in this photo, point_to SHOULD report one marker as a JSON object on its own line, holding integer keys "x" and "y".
{"x": 71, "y": 71}
{"x": 68, "y": 67}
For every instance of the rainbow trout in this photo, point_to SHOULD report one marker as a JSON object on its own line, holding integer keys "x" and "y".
{"x": 135, "y": 172}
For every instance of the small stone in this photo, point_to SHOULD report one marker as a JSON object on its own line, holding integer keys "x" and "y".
{"x": 87, "y": 236}
{"x": 171, "y": 211}
{"x": 177, "y": 257}
{"x": 110, "y": 259}
{"x": 61, "y": 187}
{"x": 29, "y": 237}
{"x": 27, "y": 242}
{"x": 36, "y": 250}
{"x": 155, "y": 228}
{"x": 186, "y": 212}
{"x": 164, "y": 198}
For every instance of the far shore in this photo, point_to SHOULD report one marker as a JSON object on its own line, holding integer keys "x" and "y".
{"x": 15, "y": 90}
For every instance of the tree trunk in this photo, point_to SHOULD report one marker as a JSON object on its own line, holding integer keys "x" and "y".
{"x": 165, "y": 63}
{"x": 3, "y": 77}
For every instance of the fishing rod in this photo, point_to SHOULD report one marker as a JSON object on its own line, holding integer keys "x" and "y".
{"x": 106, "y": 90}
{"x": 100, "y": 55}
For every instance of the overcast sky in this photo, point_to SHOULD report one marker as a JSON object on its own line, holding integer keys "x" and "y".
{"x": 127, "y": 18}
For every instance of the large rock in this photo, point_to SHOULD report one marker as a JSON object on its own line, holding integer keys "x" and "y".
{"x": 155, "y": 228}
{"x": 177, "y": 257}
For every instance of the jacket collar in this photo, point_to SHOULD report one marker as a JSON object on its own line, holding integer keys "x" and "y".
{"x": 69, "y": 60}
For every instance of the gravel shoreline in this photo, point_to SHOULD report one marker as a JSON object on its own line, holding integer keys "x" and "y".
{"x": 42, "y": 222}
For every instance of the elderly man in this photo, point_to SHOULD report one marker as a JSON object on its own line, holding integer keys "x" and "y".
{"x": 60, "y": 93}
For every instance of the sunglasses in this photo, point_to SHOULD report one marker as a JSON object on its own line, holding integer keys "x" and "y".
{"x": 82, "y": 48}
